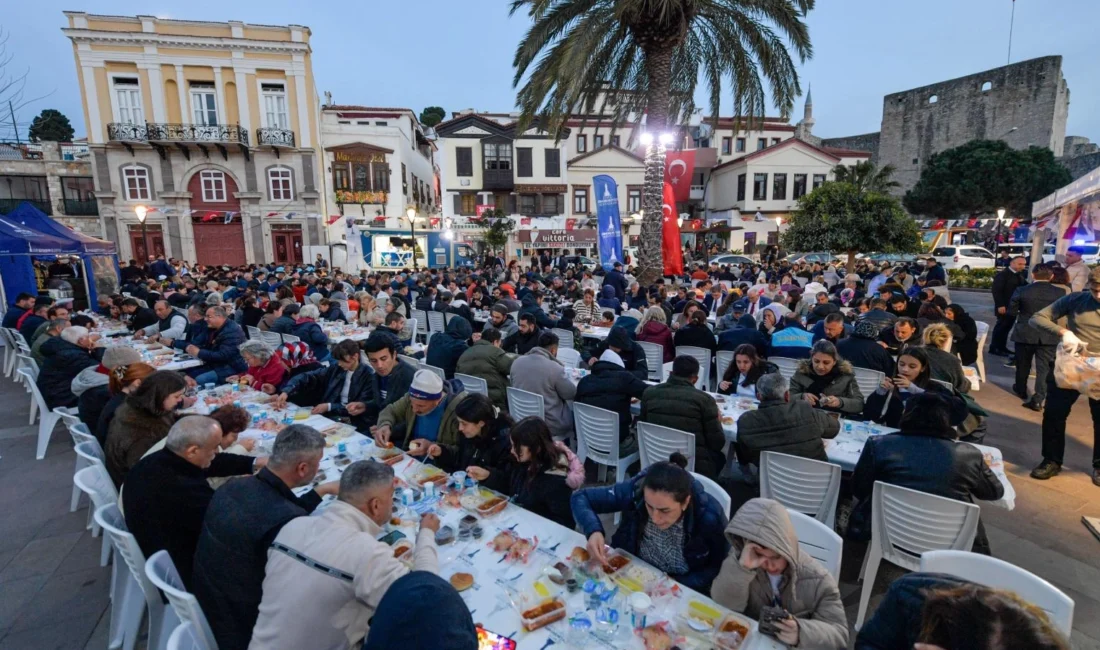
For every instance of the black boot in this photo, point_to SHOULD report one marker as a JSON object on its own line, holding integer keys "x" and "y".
{"x": 1046, "y": 470}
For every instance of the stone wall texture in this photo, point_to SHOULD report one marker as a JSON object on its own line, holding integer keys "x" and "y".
{"x": 1024, "y": 104}
{"x": 865, "y": 142}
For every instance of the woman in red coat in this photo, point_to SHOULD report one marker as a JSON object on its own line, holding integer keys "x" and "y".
{"x": 264, "y": 367}
{"x": 652, "y": 329}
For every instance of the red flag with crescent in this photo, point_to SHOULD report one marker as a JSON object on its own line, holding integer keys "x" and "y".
{"x": 670, "y": 234}
{"x": 679, "y": 169}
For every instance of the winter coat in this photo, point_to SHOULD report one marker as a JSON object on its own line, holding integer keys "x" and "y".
{"x": 324, "y": 386}
{"x": 90, "y": 405}
{"x": 507, "y": 328}
{"x": 444, "y": 350}
{"x": 530, "y": 306}
{"x": 520, "y": 343}
{"x": 633, "y": 356}
{"x": 887, "y": 408}
{"x": 699, "y": 336}
{"x": 12, "y": 315}
{"x": 267, "y": 322}
{"x": 165, "y": 500}
{"x": 807, "y": 590}
{"x": 131, "y": 433}
{"x": 222, "y": 354}
{"x": 548, "y": 493}
{"x": 842, "y": 384}
{"x": 1005, "y": 284}
{"x": 241, "y": 522}
{"x": 705, "y": 545}
{"x": 819, "y": 333}
{"x": 896, "y": 622}
{"x": 387, "y": 390}
{"x": 745, "y": 332}
{"x": 866, "y": 353}
{"x": 491, "y": 363}
{"x": 492, "y": 453}
{"x": 413, "y": 599}
{"x": 617, "y": 281}
{"x": 881, "y": 318}
{"x": 677, "y": 404}
{"x": 793, "y": 427}
{"x": 611, "y": 387}
{"x": 400, "y": 418}
{"x": 896, "y": 347}
{"x": 312, "y": 335}
{"x": 282, "y": 325}
{"x": 608, "y": 300}
{"x": 109, "y": 407}
{"x": 947, "y": 367}
{"x": 1026, "y": 302}
{"x": 273, "y": 372}
{"x": 790, "y": 341}
{"x": 31, "y": 322}
{"x": 538, "y": 372}
{"x": 345, "y": 539}
{"x": 659, "y": 333}
{"x": 64, "y": 361}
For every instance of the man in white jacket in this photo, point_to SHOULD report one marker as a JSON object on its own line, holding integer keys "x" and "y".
{"x": 170, "y": 323}
{"x": 327, "y": 573}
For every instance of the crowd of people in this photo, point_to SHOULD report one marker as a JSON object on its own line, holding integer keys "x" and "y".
{"x": 238, "y": 544}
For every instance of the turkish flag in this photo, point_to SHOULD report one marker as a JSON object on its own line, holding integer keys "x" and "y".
{"x": 670, "y": 234}
{"x": 1071, "y": 229}
{"x": 570, "y": 223}
{"x": 679, "y": 168}
{"x": 332, "y": 219}
{"x": 210, "y": 217}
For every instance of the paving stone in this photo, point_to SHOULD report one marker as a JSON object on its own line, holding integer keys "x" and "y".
{"x": 39, "y": 557}
{"x": 76, "y": 595}
{"x": 15, "y": 595}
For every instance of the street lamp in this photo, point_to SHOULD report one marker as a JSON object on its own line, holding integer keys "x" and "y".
{"x": 448, "y": 234}
{"x": 1000, "y": 221}
{"x": 410, "y": 213}
{"x": 141, "y": 211}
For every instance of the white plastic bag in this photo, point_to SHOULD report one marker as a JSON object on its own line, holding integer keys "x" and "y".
{"x": 1076, "y": 372}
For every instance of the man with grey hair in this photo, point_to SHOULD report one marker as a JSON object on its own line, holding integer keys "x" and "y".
{"x": 358, "y": 568}
{"x": 170, "y": 323}
{"x": 243, "y": 519}
{"x": 166, "y": 494}
{"x": 309, "y": 331}
{"x": 220, "y": 352}
{"x": 65, "y": 356}
{"x": 782, "y": 425}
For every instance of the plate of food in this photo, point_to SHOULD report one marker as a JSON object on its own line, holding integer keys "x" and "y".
{"x": 615, "y": 562}
{"x": 732, "y": 632}
{"x": 390, "y": 456}
{"x": 430, "y": 474}
{"x": 484, "y": 502}
{"x": 728, "y": 420}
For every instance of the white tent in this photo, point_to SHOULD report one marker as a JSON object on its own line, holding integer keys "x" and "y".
{"x": 1049, "y": 211}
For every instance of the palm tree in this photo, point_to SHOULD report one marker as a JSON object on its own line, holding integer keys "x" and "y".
{"x": 644, "y": 58}
{"x": 866, "y": 177}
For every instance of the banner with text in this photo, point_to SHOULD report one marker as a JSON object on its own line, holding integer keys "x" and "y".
{"x": 606, "y": 193}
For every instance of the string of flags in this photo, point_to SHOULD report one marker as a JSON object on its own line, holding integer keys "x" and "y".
{"x": 227, "y": 215}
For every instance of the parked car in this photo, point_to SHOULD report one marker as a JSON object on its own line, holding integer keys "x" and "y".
{"x": 893, "y": 258}
{"x": 731, "y": 259}
{"x": 1015, "y": 250}
{"x": 823, "y": 258}
{"x": 580, "y": 261}
{"x": 964, "y": 257}
{"x": 1091, "y": 254}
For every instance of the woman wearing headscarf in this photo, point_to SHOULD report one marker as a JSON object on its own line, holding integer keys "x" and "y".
{"x": 968, "y": 346}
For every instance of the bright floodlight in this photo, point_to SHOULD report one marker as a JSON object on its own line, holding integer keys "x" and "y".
{"x": 141, "y": 211}
{"x": 448, "y": 235}
{"x": 666, "y": 138}
{"x": 646, "y": 139}
{"x": 1001, "y": 213}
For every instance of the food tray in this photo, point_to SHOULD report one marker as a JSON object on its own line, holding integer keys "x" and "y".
{"x": 543, "y": 614}
{"x": 390, "y": 456}
{"x": 430, "y": 474}
{"x": 484, "y": 502}
{"x": 638, "y": 575}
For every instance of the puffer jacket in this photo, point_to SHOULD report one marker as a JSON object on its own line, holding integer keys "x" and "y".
{"x": 282, "y": 325}
{"x": 842, "y": 384}
{"x": 493, "y": 453}
{"x": 745, "y": 332}
{"x": 312, "y": 335}
{"x": 87, "y": 378}
{"x": 491, "y": 363}
{"x": 538, "y": 372}
{"x": 679, "y": 405}
{"x": 881, "y": 318}
{"x": 659, "y": 333}
{"x": 793, "y": 427}
{"x": 530, "y": 306}
{"x": 507, "y": 328}
{"x": 807, "y": 590}
{"x": 133, "y": 431}
{"x": 611, "y": 387}
{"x": 705, "y": 545}
{"x": 609, "y": 301}
{"x": 64, "y": 361}
{"x": 444, "y": 350}
{"x": 221, "y": 353}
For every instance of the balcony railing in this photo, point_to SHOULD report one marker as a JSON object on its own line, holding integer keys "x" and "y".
{"x": 125, "y": 132}
{"x": 200, "y": 133}
{"x": 78, "y": 208}
{"x": 7, "y": 205}
{"x": 275, "y": 137}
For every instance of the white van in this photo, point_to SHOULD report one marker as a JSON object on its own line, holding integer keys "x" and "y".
{"x": 1017, "y": 250}
{"x": 964, "y": 257}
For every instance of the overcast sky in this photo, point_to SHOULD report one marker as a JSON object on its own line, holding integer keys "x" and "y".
{"x": 458, "y": 53}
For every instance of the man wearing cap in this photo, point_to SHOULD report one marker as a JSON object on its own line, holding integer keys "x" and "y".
{"x": 426, "y": 414}
{"x": 1081, "y": 314}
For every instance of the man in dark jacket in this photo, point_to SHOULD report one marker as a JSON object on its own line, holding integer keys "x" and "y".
{"x": 904, "y": 334}
{"x": 933, "y": 271}
{"x": 412, "y": 599}
{"x": 65, "y": 355}
{"x": 341, "y": 390}
{"x": 140, "y": 317}
{"x": 23, "y": 302}
{"x": 1005, "y": 284}
{"x": 29, "y": 322}
{"x": 612, "y": 387}
{"x": 862, "y": 349}
{"x": 879, "y": 316}
{"x": 392, "y": 376}
{"x": 532, "y": 304}
{"x": 1032, "y": 342}
{"x": 745, "y": 331}
{"x": 487, "y": 359}
{"x": 220, "y": 351}
{"x": 896, "y": 622}
{"x": 166, "y": 494}
{"x": 242, "y": 520}
{"x": 501, "y": 320}
{"x": 780, "y": 425}
{"x": 678, "y": 404}
{"x": 526, "y": 337}
{"x": 621, "y": 341}
{"x": 832, "y": 328}
{"x": 285, "y": 323}
{"x": 445, "y": 349}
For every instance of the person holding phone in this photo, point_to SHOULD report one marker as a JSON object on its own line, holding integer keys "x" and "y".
{"x": 912, "y": 376}
{"x": 827, "y": 381}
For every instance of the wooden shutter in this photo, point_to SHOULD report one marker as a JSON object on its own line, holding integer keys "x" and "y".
{"x": 458, "y": 204}
{"x": 464, "y": 159}
{"x": 523, "y": 162}
{"x": 553, "y": 163}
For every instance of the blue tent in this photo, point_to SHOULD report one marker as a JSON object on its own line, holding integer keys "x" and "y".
{"x": 32, "y": 217}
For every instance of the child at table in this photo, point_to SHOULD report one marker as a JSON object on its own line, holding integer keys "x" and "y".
{"x": 544, "y": 472}
{"x": 911, "y": 377}
{"x": 484, "y": 451}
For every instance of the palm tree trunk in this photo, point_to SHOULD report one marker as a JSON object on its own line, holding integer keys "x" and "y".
{"x": 650, "y": 261}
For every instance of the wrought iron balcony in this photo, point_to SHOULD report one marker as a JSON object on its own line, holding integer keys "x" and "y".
{"x": 275, "y": 137}
{"x": 78, "y": 208}
{"x": 197, "y": 133}
{"x": 126, "y": 132}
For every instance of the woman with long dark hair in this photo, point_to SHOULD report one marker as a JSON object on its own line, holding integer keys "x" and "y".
{"x": 827, "y": 381}
{"x": 144, "y": 417}
{"x": 484, "y": 451}
{"x": 912, "y": 376}
{"x": 741, "y": 375}
{"x": 668, "y": 520}
{"x": 544, "y": 473}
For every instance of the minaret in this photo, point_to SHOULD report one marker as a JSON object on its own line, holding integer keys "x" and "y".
{"x": 804, "y": 129}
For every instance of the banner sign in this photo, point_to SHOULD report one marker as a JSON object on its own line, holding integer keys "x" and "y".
{"x": 583, "y": 238}
{"x": 606, "y": 193}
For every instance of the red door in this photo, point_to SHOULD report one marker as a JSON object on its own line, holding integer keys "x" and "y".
{"x": 287, "y": 245}
{"x": 137, "y": 244}
{"x": 216, "y": 218}
{"x": 218, "y": 243}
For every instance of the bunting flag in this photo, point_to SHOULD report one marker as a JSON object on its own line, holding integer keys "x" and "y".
{"x": 525, "y": 221}
{"x": 972, "y": 223}
{"x": 1071, "y": 229}
{"x": 209, "y": 216}
{"x": 187, "y": 213}
{"x": 229, "y": 216}
{"x": 939, "y": 224}
{"x": 569, "y": 223}
{"x": 272, "y": 214}
{"x": 332, "y": 219}
{"x": 670, "y": 235}
{"x": 434, "y": 221}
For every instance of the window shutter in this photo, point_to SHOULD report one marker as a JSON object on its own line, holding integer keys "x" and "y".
{"x": 553, "y": 163}
{"x": 523, "y": 162}
{"x": 464, "y": 158}
{"x": 512, "y": 204}
{"x": 458, "y": 203}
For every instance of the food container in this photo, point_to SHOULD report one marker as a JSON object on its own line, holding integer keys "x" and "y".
{"x": 402, "y": 549}
{"x": 700, "y": 616}
{"x": 391, "y": 456}
{"x": 542, "y": 615}
{"x": 341, "y": 459}
{"x": 445, "y": 535}
{"x": 637, "y": 575}
{"x": 484, "y": 502}
{"x": 430, "y": 474}
{"x": 616, "y": 560}
{"x": 732, "y": 632}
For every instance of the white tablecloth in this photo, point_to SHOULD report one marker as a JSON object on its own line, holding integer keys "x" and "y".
{"x": 337, "y": 333}
{"x": 594, "y": 332}
{"x": 179, "y": 360}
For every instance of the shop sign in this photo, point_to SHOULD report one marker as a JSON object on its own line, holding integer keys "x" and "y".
{"x": 557, "y": 238}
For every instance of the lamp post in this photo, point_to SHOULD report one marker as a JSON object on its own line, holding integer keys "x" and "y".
{"x": 141, "y": 211}
{"x": 1000, "y": 222}
{"x": 410, "y": 213}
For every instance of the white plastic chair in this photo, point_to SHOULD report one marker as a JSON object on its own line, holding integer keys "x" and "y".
{"x": 132, "y": 593}
{"x": 436, "y": 323}
{"x": 945, "y": 384}
{"x": 412, "y": 361}
{"x": 183, "y": 638}
{"x": 274, "y": 340}
{"x": 436, "y": 370}
{"x": 656, "y": 443}
{"x": 905, "y": 524}
{"x": 523, "y": 404}
{"x": 94, "y": 481}
{"x": 473, "y": 384}
{"x": 565, "y": 338}
{"x": 88, "y": 453}
{"x": 598, "y": 439}
{"x": 654, "y": 359}
{"x": 9, "y": 351}
{"x": 808, "y": 486}
{"x": 569, "y": 357}
{"x": 983, "y": 332}
{"x": 420, "y": 318}
{"x": 162, "y": 572}
{"x": 255, "y": 334}
{"x": 868, "y": 380}
{"x": 703, "y": 355}
{"x": 998, "y": 574}
{"x": 713, "y": 489}
{"x": 787, "y": 366}
{"x": 290, "y": 338}
{"x": 47, "y": 419}
{"x": 818, "y": 541}
{"x": 722, "y": 360}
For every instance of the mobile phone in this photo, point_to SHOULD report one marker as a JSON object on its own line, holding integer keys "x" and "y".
{"x": 392, "y": 537}
{"x": 487, "y": 640}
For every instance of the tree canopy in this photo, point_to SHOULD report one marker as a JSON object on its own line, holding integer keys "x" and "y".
{"x": 496, "y": 237}
{"x": 982, "y": 176}
{"x": 51, "y": 126}
{"x": 866, "y": 176}
{"x": 432, "y": 115}
{"x": 839, "y": 217}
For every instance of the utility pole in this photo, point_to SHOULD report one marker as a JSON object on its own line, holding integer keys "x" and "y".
{"x": 1011, "y": 22}
{"x": 14, "y": 126}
